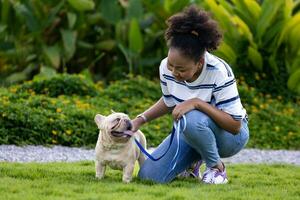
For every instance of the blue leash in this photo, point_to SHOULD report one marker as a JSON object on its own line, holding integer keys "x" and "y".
{"x": 175, "y": 131}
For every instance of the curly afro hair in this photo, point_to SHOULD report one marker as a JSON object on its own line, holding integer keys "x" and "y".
{"x": 193, "y": 31}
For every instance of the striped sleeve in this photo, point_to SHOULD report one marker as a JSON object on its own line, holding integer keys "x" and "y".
{"x": 167, "y": 97}
{"x": 227, "y": 96}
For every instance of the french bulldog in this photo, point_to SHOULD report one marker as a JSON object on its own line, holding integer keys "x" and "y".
{"x": 116, "y": 147}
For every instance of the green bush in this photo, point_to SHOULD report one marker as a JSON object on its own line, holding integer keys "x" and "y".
{"x": 60, "y": 85}
{"x": 28, "y": 117}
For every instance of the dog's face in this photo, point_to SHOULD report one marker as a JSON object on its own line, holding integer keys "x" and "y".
{"x": 114, "y": 125}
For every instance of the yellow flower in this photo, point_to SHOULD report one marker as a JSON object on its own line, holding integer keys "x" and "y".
{"x": 13, "y": 90}
{"x": 66, "y": 101}
{"x": 279, "y": 97}
{"x": 257, "y": 77}
{"x": 54, "y": 132}
{"x": 58, "y": 110}
{"x": 290, "y": 134}
{"x": 291, "y": 110}
{"x": 157, "y": 127}
{"x": 262, "y": 106}
{"x": 68, "y": 132}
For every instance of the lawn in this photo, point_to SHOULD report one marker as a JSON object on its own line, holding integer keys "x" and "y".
{"x": 76, "y": 181}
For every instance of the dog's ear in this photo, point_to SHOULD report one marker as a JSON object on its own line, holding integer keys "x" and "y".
{"x": 99, "y": 119}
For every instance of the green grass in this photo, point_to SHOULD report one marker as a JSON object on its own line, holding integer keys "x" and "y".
{"x": 76, "y": 181}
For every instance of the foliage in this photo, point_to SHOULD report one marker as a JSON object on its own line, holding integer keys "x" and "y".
{"x": 261, "y": 37}
{"x": 76, "y": 181}
{"x": 109, "y": 39}
{"x": 28, "y": 115}
{"x": 106, "y": 37}
{"x": 60, "y": 85}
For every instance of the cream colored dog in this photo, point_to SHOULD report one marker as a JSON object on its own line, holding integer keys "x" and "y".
{"x": 116, "y": 147}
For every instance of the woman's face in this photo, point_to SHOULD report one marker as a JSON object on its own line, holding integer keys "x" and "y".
{"x": 182, "y": 67}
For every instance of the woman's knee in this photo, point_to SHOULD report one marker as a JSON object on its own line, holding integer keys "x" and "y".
{"x": 195, "y": 122}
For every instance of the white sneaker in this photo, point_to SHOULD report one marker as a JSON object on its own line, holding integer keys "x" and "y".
{"x": 214, "y": 176}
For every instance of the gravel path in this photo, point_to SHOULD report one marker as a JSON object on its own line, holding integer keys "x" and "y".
{"x": 11, "y": 153}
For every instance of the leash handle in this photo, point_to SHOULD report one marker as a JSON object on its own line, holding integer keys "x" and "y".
{"x": 175, "y": 130}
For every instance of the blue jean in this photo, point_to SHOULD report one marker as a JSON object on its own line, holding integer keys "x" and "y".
{"x": 202, "y": 139}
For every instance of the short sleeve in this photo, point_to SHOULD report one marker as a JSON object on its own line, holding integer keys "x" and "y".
{"x": 227, "y": 97}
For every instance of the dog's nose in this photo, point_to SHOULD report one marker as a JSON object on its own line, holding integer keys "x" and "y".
{"x": 129, "y": 125}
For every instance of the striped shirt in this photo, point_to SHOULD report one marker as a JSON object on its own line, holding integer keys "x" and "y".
{"x": 215, "y": 85}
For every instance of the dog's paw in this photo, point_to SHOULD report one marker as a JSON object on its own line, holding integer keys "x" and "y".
{"x": 126, "y": 180}
{"x": 99, "y": 177}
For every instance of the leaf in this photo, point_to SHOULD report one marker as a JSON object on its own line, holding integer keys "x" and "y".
{"x": 25, "y": 13}
{"x": 243, "y": 10}
{"x": 294, "y": 82}
{"x": 52, "y": 54}
{"x": 106, "y": 45}
{"x": 71, "y": 19}
{"x": 111, "y": 11}
{"x": 273, "y": 63}
{"x": 295, "y": 20}
{"x": 255, "y": 58}
{"x": 45, "y": 72}
{"x": 288, "y": 8}
{"x": 294, "y": 40}
{"x": 69, "y": 43}
{"x": 254, "y": 8}
{"x": 227, "y": 53}
{"x": 173, "y": 6}
{"x": 271, "y": 36}
{"x": 5, "y": 7}
{"x": 243, "y": 28}
{"x": 135, "y": 9}
{"x": 231, "y": 36}
{"x": 82, "y": 5}
{"x": 295, "y": 64}
{"x": 269, "y": 11}
{"x": 135, "y": 37}
{"x": 52, "y": 14}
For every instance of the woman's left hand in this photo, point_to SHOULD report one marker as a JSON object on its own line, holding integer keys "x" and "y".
{"x": 184, "y": 107}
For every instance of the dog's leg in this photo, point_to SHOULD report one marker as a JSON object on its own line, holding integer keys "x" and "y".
{"x": 100, "y": 169}
{"x": 127, "y": 172}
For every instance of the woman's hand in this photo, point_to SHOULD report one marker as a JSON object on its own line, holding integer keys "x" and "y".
{"x": 137, "y": 123}
{"x": 184, "y": 107}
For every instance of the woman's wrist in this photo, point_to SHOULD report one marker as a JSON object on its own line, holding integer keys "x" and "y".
{"x": 142, "y": 117}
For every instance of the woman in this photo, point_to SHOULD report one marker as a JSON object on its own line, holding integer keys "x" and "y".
{"x": 202, "y": 87}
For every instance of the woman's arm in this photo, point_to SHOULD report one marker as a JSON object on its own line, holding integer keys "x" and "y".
{"x": 223, "y": 119}
{"x": 155, "y": 111}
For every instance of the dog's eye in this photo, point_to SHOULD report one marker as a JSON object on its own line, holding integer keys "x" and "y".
{"x": 116, "y": 122}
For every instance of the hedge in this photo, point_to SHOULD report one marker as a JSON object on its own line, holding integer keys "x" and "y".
{"x": 61, "y": 110}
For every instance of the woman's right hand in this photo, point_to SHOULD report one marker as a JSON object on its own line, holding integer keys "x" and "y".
{"x": 137, "y": 123}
